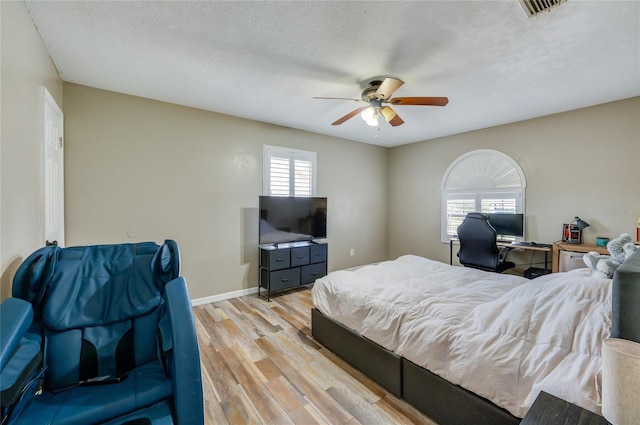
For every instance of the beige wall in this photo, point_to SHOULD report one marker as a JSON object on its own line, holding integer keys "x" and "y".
{"x": 26, "y": 69}
{"x": 138, "y": 169}
{"x": 584, "y": 162}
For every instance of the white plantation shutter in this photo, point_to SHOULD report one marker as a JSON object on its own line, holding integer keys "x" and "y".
{"x": 279, "y": 176}
{"x": 303, "y": 178}
{"x": 457, "y": 209}
{"x": 485, "y": 181}
{"x": 289, "y": 172}
{"x": 506, "y": 204}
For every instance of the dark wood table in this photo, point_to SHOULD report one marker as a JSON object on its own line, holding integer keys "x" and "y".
{"x": 551, "y": 410}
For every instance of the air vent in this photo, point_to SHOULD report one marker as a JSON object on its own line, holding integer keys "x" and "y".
{"x": 534, "y": 7}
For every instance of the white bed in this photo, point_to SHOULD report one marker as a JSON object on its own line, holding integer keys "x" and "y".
{"x": 501, "y": 336}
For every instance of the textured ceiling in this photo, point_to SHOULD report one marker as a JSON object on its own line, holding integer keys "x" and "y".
{"x": 266, "y": 60}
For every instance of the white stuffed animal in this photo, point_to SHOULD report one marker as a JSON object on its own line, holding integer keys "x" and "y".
{"x": 629, "y": 248}
{"x": 606, "y": 268}
{"x": 619, "y": 249}
{"x": 592, "y": 258}
{"x": 616, "y": 247}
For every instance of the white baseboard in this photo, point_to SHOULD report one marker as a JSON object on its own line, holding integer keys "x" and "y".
{"x": 226, "y": 296}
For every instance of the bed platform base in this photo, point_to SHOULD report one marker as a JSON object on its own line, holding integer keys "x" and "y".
{"x": 381, "y": 365}
{"x": 446, "y": 403}
{"x": 440, "y": 400}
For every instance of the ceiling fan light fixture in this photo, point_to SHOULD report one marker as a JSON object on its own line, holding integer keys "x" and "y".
{"x": 370, "y": 116}
{"x": 373, "y": 122}
{"x": 368, "y": 113}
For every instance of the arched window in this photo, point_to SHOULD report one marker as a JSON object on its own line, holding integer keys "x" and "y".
{"x": 483, "y": 180}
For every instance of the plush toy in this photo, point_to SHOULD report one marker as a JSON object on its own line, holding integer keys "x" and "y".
{"x": 616, "y": 247}
{"x": 619, "y": 249}
{"x": 629, "y": 248}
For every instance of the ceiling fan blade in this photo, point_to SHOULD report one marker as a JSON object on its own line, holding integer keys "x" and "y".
{"x": 427, "y": 101}
{"x": 388, "y": 86}
{"x": 348, "y": 116}
{"x": 338, "y": 98}
{"x": 391, "y": 116}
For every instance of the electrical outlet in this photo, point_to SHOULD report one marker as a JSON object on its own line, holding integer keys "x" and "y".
{"x": 353, "y": 252}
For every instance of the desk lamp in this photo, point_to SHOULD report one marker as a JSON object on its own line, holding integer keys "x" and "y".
{"x": 576, "y": 236}
{"x": 620, "y": 381}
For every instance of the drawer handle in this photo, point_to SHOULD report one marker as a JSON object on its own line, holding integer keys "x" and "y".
{"x": 314, "y": 274}
{"x": 300, "y": 257}
{"x": 284, "y": 280}
{"x": 279, "y": 260}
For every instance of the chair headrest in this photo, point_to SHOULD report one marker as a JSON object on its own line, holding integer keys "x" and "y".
{"x": 101, "y": 284}
{"x": 96, "y": 285}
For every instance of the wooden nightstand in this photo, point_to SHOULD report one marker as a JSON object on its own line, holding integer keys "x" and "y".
{"x": 551, "y": 410}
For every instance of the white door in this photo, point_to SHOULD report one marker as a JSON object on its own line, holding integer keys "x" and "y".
{"x": 53, "y": 172}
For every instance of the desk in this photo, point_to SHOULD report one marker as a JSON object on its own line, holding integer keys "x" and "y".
{"x": 508, "y": 246}
{"x": 573, "y": 247}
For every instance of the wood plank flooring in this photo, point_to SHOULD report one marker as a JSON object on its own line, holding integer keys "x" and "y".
{"x": 260, "y": 365}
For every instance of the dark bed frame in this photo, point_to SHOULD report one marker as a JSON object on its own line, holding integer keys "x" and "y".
{"x": 442, "y": 401}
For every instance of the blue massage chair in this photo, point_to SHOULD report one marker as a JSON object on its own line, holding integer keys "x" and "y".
{"x": 100, "y": 335}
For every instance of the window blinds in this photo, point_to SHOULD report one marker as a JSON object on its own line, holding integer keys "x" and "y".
{"x": 302, "y": 181}
{"x": 289, "y": 172}
{"x": 459, "y": 205}
{"x": 457, "y": 209}
{"x": 278, "y": 176}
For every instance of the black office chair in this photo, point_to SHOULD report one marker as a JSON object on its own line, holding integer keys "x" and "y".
{"x": 478, "y": 247}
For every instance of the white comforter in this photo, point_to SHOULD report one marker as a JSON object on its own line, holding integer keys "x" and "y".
{"x": 501, "y": 336}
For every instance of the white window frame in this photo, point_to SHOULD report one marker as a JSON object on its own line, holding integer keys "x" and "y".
{"x": 293, "y": 156}
{"x": 481, "y": 185}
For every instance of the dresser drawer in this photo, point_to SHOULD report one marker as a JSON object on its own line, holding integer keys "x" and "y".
{"x": 312, "y": 272}
{"x": 276, "y": 259}
{"x": 318, "y": 253}
{"x": 299, "y": 256}
{"x": 283, "y": 279}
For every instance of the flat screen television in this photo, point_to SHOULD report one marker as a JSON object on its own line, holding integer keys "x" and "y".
{"x": 506, "y": 224}
{"x": 292, "y": 219}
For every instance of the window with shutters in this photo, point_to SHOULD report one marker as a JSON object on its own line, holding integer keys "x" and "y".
{"x": 484, "y": 180}
{"x": 289, "y": 172}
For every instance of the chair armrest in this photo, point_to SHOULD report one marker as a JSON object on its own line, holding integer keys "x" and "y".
{"x": 20, "y": 354}
{"x": 16, "y": 316}
{"x": 186, "y": 357}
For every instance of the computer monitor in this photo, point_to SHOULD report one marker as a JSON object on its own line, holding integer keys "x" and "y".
{"x": 506, "y": 224}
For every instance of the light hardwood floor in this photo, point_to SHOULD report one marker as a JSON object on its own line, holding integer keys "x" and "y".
{"x": 260, "y": 365}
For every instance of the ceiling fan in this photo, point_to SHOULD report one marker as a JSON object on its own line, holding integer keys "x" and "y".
{"x": 378, "y": 93}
